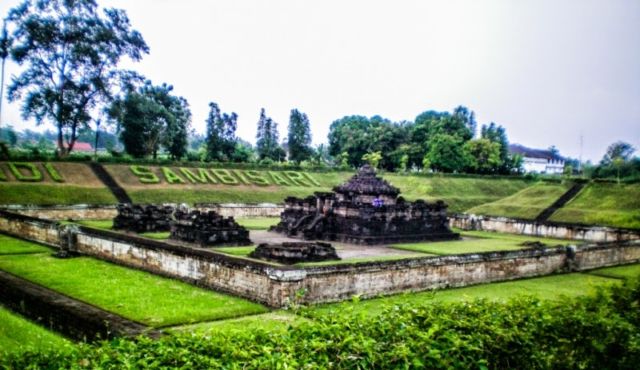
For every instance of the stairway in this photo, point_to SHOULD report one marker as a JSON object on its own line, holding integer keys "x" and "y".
{"x": 560, "y": 202}
{"x": 104, "y": 176}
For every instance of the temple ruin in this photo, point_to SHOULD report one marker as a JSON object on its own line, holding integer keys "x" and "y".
{"x": 207, "y": 229}
{"x": 142, "y": 218}
{"x": 364, "y": 210}
{"x": 295, "y": 252}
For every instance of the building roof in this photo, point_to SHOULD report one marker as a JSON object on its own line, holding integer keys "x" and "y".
{"x": 81, "y": 146}
{"x": 366, "y": 182}
{"x": 533, "y": 153}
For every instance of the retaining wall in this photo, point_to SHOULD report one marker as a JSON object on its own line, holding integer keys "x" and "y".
{"x": 543, "y": 229}
{"x": 277, "y": 285}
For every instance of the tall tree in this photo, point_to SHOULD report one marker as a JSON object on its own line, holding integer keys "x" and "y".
{"x": 71, "y": 53}
{"x": 618, "y": 150}
{"x": 150, "y": 118}
{"x": 299, "y": 138}
{"x": 446, "y": 153}
{"x": 267, "y": 137}
{"x": 221, "y": 134}
{"x": 483, "y": 156}
{"x": 497, "y": 134}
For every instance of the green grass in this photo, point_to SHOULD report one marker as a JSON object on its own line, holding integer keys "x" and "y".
{"x": 19, "y": 335}
{"x": 459, "y": 193}
{"x": 158, "y": 235}
{"x": 604, "y": 204}
{"x": 9, "y": 245}
{"x": 97, "y": 224}
{"x": 236, "y": 251}
{"x": 477, "y": 242}
{"x": 548, "y": 287}
{"x": 134, "y": 294}
{"x": 257, "y": 223}
{"x": 619, "y": 272}
{"x": 20, "y": 193}
{"x": 526, "y": 204}
{"x": 272, "y": 321}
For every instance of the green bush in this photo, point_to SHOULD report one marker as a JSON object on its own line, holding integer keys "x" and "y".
{"x": 596, "y": 332}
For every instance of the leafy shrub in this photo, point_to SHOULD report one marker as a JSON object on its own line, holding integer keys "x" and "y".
{"x": 601, "y": 331}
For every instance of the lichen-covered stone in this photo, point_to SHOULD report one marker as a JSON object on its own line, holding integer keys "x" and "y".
{"x": 207, "y": 229}
{"x": 295, "y": 252}
{"x": 143, "y": 218}
{"x": 364, "y": 210}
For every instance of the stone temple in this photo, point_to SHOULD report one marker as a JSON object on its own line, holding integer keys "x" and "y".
{"x": 364, "y": 210}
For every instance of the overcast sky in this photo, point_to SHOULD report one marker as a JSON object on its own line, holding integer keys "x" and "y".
{"x": 548, "y": 71}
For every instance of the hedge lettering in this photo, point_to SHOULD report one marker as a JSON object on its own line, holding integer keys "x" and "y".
{"x": 18, "y": 169}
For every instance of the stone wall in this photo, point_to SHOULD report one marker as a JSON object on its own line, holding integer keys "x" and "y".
{"x": 543, "y": 229}
{"x": 277, "y": 285}
{"x": 62, "y": 212}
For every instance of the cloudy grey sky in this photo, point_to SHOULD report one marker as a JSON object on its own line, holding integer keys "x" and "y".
{"x": 547, "y": 70}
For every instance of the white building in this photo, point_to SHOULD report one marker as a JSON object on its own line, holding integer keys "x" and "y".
{"x": 538, "y": 160}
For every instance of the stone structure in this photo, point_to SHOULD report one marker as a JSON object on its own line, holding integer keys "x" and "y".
{"x": 290, "y": 253}
{"x": 143, "y": 218}
{"x": 207, "y": 229}
{"x": 364, "y": 210}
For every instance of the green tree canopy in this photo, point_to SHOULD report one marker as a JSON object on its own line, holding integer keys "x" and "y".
{"x": 267, "y": 145}
{"x": 221, "y": 134}
{"x": 299, "y": 138}
{"x": 71, "y": 55}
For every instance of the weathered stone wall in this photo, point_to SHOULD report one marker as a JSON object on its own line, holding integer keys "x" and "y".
{"x": 90, "y": 212}
{"x": 62, "y": 212}
{"x": 277, "y": 285}
{"x": 543, "y": 229}
{"x": 30, "y": 228}
{"x": 243, "y": 210}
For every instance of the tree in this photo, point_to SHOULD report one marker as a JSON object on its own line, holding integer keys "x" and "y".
{"x": 467, "y": 117}
{"x": 221, "y": 134}
{"x": 496, "y": 134}
{"x": 483, "y": 156}
{"x": 150, "y": 118}
{"x": 372, "y": 158}
{"x": 71, "y": 53}
{"x": 446, "y": 153}
{"x": 299, "y": 138}
{"x": 617, "y": 150}
{"x": 267, "y": 139}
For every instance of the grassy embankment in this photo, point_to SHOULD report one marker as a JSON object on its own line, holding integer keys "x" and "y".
{"x": 136, "y": 295}
{"x": 19, "y": 335}
{"x": 80, "y": 186}
{"x": 604, "y": 204}
{"x": 526, "y": 203}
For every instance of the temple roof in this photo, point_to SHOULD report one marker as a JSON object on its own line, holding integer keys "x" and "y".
{"x": 366, "y": 182}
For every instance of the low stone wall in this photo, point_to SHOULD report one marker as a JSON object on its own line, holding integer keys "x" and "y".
{"x": 543, "y": 229}
{"x": 106, "y": 212}
{"x": 277, "y": 286}
{"x": 30, "y": 228}
{"x": 243, "y": 210}
{"x": 62, "y": 212}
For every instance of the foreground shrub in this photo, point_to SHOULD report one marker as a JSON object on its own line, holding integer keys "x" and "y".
{"x": 596, "y": 332}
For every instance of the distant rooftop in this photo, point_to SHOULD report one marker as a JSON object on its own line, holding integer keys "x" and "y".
{"x": 533, "y": 153}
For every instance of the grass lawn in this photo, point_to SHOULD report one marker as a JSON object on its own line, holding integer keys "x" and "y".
{"x": 619, "y": 272}
{"x": 97, "y": 224}
{"x": 477, "y": 242}
{"x": 526, "y": 204}
{"x": 137, "y": 295}
{"x": 548, "y": 287}
{"x": 9, "y": 245}
{"x": 257, "y": 223}
{"x": 272, "y": 321}
{"x": 18, "y": 335}
{"x": 604, "y": 204}
{"x": 236, "y": 251}
{"x": 459, "y": 193}
{"x": 21, "y": 193}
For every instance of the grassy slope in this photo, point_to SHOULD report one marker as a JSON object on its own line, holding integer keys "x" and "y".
{"x": 137, "y": 295}
{"x": 477, "y": 242}
{"x": 619, "y": 272}
{"x": 18, "y": 335}
{"x": 272, "y": 321}
{"x": 459, "y": 193}
{"x": 49, "y": 194}
{"x": 548, "y": 287}
{"x": 604, "y": 204}
{"x": 527, "y": 203}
